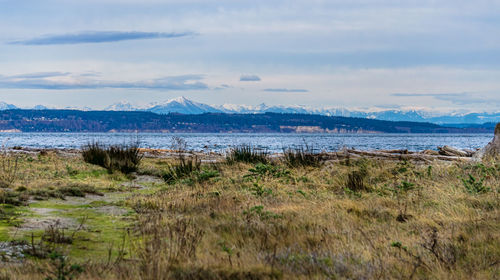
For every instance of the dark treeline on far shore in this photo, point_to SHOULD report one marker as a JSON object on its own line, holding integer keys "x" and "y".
{"x": 112, "y": 121}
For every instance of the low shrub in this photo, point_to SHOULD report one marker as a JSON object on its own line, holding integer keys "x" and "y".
{"x": 95, "y": 153}
{"x": 206, "y": 175}
{"x": 247, "y": 153}
{"x": 13, "y": 198}
{"x": 356, "y": 181}
{"x": 266, "y": 170}
{"x": 301, "y": 156}
{"x": 73, "y": 189}
{"x": 475, "y": 186}
{"x": 8, "y": 170}
{"x": 79, "y": 190}
{"x": 125, "y": 159}
{"x": 61, "y": 269}
{"x": 184, "y": 168}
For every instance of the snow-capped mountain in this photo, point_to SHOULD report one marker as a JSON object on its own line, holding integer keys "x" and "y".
{"x": 6, "y": 106}
{"x": 85, "y": 108}
{"x": 242, "y": 109}
{"x": 263, "y": 108}
{"x": 40, "y": 107}
{"x": 179, "y": 105}
{"x": 122, "y": 106}
{"x": 182, "y": 105}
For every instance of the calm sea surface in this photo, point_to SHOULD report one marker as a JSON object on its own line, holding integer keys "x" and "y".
{"x": 272, "y": 142}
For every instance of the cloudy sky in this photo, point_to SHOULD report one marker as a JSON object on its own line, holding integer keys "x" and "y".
{"x": 440, "y": 55}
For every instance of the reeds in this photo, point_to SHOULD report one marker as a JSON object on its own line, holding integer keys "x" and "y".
{"x": 123, "y": 158}
{"x": 301, "y": 156}
{"x": 247, "y": 153}
{"x": 182, "y": 169}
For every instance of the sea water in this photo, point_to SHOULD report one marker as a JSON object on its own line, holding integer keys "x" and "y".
{"x": 273, "y": 142}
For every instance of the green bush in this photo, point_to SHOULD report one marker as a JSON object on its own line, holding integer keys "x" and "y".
{"x": 205, "y": 175}
{"x": 474, "y": 186}
{"x": 61, "y": 269}
{"x": 266, "y": 170}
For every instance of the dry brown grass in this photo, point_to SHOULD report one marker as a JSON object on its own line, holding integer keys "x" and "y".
{"x": 407, "y": 222}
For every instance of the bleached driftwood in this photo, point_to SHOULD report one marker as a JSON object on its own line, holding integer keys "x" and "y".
{"x": 414, "y": 156}
{"x": 492, "y": 150}
{"x": 425, "y": 156}
{"x": 396, "y": 151}
{"x": 450, "y": 151}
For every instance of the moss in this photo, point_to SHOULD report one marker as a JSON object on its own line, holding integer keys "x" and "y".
{"x": 101, "y": 231}
{"x": 55, "y": 204}
{"x": 10, "y": 217}
{"x": 82, "y": 175}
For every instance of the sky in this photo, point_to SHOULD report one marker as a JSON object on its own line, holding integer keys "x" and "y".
{"x": 371, "y": 54}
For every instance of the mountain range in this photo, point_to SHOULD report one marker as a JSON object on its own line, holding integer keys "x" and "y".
{"x": 25, "y": 120}
{"x": 182, "y": 105}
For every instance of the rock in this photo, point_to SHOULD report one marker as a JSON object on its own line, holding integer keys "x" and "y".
{"x": 492, "y": 150}
{"x": 12, "y": 251}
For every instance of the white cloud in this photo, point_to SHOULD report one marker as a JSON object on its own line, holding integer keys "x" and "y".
{"x": 355, "y": 52}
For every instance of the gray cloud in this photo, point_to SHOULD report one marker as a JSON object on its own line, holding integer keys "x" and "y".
{"x": 40, "y": 75}
{"x": 38, "y": 81}
{"x": 98, "y": 37}
{"x": 285, "y": 90}
{"x": 437, "y": 95}
{"x": 462, "y": 98}
{"x": 249, "y": 78}
{"x": 222, "y": 87}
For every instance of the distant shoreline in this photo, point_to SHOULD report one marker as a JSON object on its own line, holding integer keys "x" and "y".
{"x": 147, "y": 122}
{"x": 249, "y": 133}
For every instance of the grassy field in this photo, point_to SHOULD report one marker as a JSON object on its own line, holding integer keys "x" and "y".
{"x": 248, "y": 217}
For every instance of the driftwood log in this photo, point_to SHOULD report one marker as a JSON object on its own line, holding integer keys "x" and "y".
{"x": 492, "y": 150}
{"x": 413, "y": 156}
{"x": 450, "y": 151}
{"x": 445, "y": 153}
{"x": 426, "y": 156}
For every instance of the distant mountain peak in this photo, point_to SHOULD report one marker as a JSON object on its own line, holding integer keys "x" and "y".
{"x": 121, "y": 106}
{"x": 181, "y": 99}
{"x": 6, "y": 106}
{"x": 40, "y": 107}
{"x": 183, "y": 105}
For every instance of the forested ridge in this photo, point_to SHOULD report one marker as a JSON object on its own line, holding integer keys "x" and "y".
{"x": 106, "y": 121}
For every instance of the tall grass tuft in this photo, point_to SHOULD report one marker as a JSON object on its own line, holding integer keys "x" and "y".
{"x": 301, "y": 156}
{"x": 184, "y": 168}
{"x": 356, "y": 181}
{"x": 164, "y": 244}
{"x": 8, "y": 170}
{"x": 247, "y": 153}
{"x": 123, "y": 158}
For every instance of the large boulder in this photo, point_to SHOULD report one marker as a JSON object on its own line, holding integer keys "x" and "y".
{"x": 492, "y": 150}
